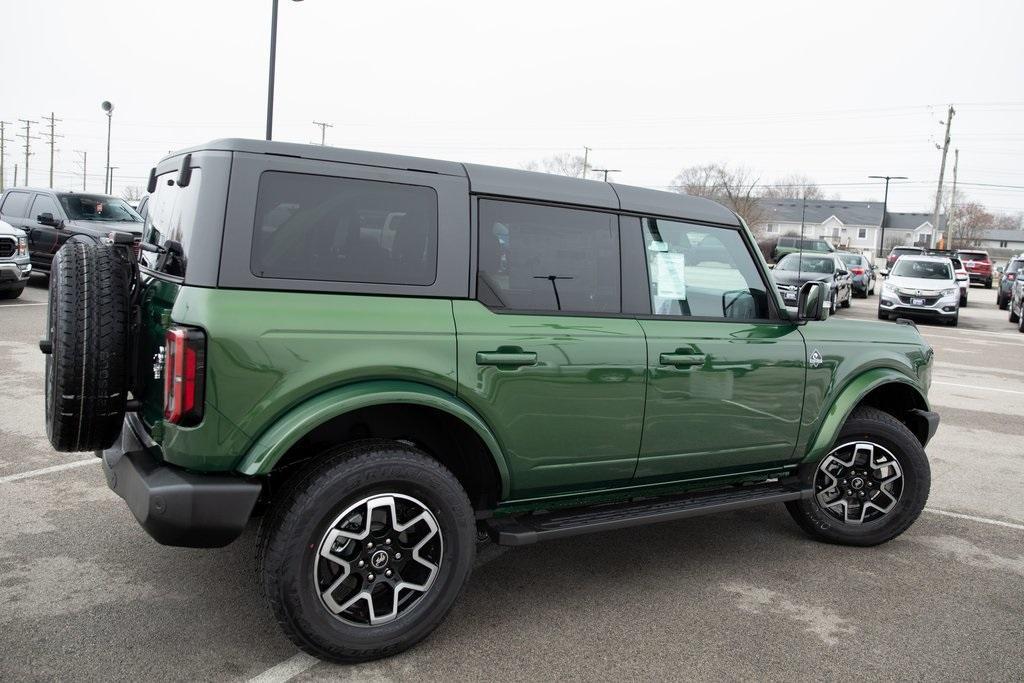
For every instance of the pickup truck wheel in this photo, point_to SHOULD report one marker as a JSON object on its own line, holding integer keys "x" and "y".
{"x": 365, "y": 553}
{"x": 86, "y": 347}
{"x": 869, "y": 488}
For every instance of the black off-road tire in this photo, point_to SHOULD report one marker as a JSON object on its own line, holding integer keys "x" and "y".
{"x": 11, "y": 293}
{"x": 291, "y": 532}
{"x": 875, "y": 426}
{"x": 87, "y": 335}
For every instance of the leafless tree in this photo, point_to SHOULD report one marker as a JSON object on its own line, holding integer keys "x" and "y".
{"x": 131, "y": 194}
{"x": 970, "y": 221}
{"x": 736, "y": 188}
{"x": 560, "y": 164}
{"x": 794, "y": 185}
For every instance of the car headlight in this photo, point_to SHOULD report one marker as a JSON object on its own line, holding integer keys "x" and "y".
{"x": 951, "y": 291}
{"x": 888, "y": 289}
{"x": 22, "y": 246}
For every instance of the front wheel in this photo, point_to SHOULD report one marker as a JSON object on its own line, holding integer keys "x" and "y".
{"x": 870, "y": 487}
{"x": 365, "y": 553}
{"x": 1013, "y": 316}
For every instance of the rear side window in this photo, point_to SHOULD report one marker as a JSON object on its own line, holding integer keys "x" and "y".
{"x": 171, "y": 217}
{"x": 545, "y": 258}
{"x": 704, "y": 272}
{"x": 15, "y": 204}
{"x": 311, "y": 227}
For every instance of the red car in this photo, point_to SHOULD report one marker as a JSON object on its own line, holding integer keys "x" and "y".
{"x": 900, "y": 251}
{"x": 978, "y": 265}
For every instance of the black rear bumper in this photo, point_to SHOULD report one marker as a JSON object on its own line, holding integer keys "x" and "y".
{"x": 175, "y": 506}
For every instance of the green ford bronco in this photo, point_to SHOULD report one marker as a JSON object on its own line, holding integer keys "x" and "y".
{"x": 385, "y": 360}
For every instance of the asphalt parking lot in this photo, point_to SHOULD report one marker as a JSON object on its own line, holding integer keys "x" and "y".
{"x": 85, "y": 593}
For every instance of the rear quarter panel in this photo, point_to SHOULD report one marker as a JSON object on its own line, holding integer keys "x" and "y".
{"x": 269, "y": 351}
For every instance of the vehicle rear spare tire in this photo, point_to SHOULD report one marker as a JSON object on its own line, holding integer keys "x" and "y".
{"x": 87, "y": 343}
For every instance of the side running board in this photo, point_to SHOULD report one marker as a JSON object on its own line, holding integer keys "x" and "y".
{"x": 528, "y": 529}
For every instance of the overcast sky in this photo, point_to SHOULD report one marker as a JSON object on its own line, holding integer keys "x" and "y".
{"x": 835, "y": 92}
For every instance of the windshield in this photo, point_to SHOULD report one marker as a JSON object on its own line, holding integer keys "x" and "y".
{"x": 851, "y": 259}
{"x": 98, "y": 207}
{"x": 1014, "y": 266}
{"x": 926, "y": 270}
{"x": 974, "y": 256}
{"x": 806, "y": 263}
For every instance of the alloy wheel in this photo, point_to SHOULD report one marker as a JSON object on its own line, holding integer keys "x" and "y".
{"x": 377, "y": 559}
{"x": 858, "y": 482}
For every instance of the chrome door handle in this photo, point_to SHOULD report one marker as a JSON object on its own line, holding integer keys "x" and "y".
{"x": 682, "y": 360}
{"x": 506, "y": 358}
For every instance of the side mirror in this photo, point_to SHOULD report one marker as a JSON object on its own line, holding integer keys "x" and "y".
{"x": 812, "y": 302}
{"x": 771, "y": 266}
{"x": 999, "y": 269}
{"x": 884, "y": 273}
{"x": 841, "y": 273}
{"x": 47, "y": 219}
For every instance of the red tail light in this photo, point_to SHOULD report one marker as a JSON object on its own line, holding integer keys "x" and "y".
{"x": 1011, "y": 276}
{"x": 856, "y": 270}
{"x": 184, "y": 375}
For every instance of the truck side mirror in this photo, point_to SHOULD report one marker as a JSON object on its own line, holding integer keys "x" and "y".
{"x": 47, "y": 219}
{"x": 812, "y": 301}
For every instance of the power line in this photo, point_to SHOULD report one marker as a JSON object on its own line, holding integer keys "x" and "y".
{"x": 53, "y": 136}
{"x": 3, "y": 150}
{"x": 606, "y": 171}
{"x": 323, "y": 130}
{"x": 28, "y": 137}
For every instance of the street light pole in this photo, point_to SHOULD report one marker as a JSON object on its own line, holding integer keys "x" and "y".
{"x": 885, "y": 206}
{"x": 109, "y": 108}
{"x": 273, "y": 66}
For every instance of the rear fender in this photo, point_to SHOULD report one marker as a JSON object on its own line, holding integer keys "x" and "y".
{"x": 283, "y": 434}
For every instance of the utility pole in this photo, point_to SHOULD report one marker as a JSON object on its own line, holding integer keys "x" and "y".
{"x": 82, "y": 163}
{"x": 586, "y": 156}
{"x": 112, "y": 169}
{"x": 15, "y": 176}
{"x": 53, "y": 137}
{"x": 942, "y": 172}
{"x": 952, "y": 202}
{"x": 27, "y": 135}
{"x": 3, "y": 151}
{"x": 885, "y": 207}
{"x": 606, "y": 171}
{"x": 323, "y": 130}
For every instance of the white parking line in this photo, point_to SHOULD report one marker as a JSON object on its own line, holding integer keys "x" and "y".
{"x": 975, "y": 386}
{"x": 47, "y": 470}
{"x": 973, "y": 518}
{"x": 286, "y": 670}
{"x": 40, "y": 303}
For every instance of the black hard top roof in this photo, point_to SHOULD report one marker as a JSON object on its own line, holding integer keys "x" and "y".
{"x": 504, "y": 182}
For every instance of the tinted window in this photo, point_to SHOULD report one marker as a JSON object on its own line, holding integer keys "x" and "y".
{"x": 973, "y": 255}
{"x": 44, "y": 204}
{"x": 15, "y": 204}
{"x": 928, "y": 270}
{"x": 1014, "y": 266}
{"x": 543, "y": 258}
{"x": 171, "y": 216}
{"x": 98, "y": 207}
{"x": 344, "y": 230}
{"x": 806, "y": 263}
{"x": 702, "y": 272}
{"x": 852, "y": 259}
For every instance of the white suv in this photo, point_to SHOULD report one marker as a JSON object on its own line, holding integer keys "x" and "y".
{"x": 920, "y": 286}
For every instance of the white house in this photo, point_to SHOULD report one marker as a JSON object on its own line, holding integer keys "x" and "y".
{"x": 1003, "y": 239}
{"x": 846, "y": 224}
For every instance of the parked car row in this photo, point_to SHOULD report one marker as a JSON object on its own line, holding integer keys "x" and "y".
{"x": 48, "y": 218}
{"x": 795, "y": 269}
{"x": 1011, "y": 290}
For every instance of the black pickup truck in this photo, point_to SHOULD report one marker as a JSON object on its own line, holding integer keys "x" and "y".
{"x": 51, "y": 217}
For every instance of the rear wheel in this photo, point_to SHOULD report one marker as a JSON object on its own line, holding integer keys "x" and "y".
{"x": 86, "y": 345}
{"x": 870, "y": 487}
{"x": 1002, "y": 303}
{"x": 364, "y": 554}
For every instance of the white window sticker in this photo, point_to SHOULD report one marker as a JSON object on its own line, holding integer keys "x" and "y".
{"x": 670, "y": 273}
